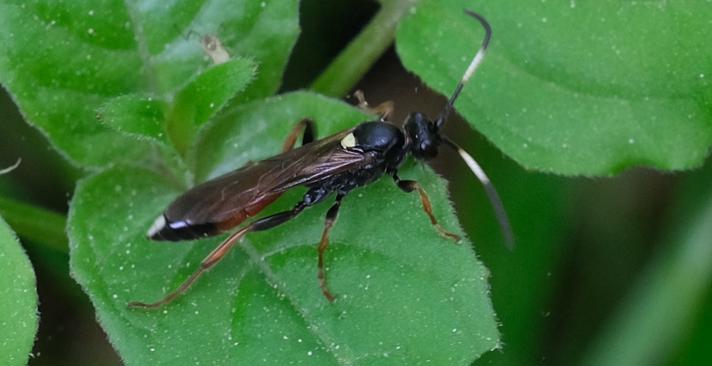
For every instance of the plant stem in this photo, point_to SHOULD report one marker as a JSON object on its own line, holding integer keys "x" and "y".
{"x": 658, "y": 313}
{"x": 353, "y": 62}
{"x": 36, "y": 224}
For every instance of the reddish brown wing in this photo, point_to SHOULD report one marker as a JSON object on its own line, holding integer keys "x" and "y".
{"x": 227, "y": 200}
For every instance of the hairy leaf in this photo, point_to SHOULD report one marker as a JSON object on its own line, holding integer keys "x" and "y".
{"x": 205, "y": 96}
{"x": 18, "y": 301}
{"x": 62, "y": 60}
{"x": 135, "y": 115}
{"x": 145, "y": 117}
{"x": 575, "y": 87}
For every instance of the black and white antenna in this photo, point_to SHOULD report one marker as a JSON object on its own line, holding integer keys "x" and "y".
{"x": 11, "y": 168}
{"x": 492, "y": 194}
{"x": 474, "y": 64}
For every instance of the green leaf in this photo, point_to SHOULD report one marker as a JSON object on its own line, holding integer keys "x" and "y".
{"x": 135, "y": 115}
{"x": 62, "y": 60}
{"x": 204, "y": 96}
{"x": 406, "y": 296}
{"x": 575, "y": 88}
{"x": 144, "y": 117}
{"x": 18, "y": 301}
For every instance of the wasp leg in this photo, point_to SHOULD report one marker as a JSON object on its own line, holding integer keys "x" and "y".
{"x": 308, "y": 130}
{"x": 410, "y": 186}
{"x": 361, "y": 99}
{"x": 219, "y": 253}
{"x": 383, "y": 110}
{"x": 331, "y": 216}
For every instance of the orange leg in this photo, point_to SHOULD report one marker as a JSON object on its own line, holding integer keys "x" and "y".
{"x": 384, "y": 110}
{"x": 410, "y": 186}
{"x": 331, "y": 216}
{"x": 306, "y": 128}
{"x": 219, "y": 253}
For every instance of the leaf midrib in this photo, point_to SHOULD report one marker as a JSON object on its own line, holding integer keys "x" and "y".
{"x": 148, "y": 69}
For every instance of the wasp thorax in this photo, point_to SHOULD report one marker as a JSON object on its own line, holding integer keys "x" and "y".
{"x": 378, "y": 136}
{"x": 423, "y": 135}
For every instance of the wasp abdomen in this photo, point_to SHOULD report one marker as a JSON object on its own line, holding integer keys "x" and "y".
{"x": 165, "y": 230}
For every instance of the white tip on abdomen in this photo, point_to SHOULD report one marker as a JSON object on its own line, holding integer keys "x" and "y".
{"x": 157, "y": 226}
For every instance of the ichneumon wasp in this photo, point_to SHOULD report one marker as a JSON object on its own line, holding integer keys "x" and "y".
{"x": 333, "y": 165}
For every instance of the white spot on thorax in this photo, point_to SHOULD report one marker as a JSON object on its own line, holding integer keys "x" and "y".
{"x": 348, "y": 141}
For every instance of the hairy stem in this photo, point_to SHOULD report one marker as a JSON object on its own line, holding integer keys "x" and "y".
{"x": 353, "y": 62}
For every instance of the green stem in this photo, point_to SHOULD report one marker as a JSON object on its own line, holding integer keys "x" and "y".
{"x": 353, "y": 62}
{"x": 36, "y": 224}
{"x": 660, "y": 310}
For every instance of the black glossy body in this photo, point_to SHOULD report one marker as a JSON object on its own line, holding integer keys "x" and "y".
{"x": 336, "y": 164}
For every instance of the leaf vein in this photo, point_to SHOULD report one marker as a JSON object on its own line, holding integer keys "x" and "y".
{"x": 143, "y": 52}
{"x": 327, "y": 339}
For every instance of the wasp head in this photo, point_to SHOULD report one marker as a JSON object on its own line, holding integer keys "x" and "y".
{"x": 423, "y": 135}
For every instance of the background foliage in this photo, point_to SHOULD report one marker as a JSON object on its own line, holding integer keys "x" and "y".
{"x": 607, "y": 270}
